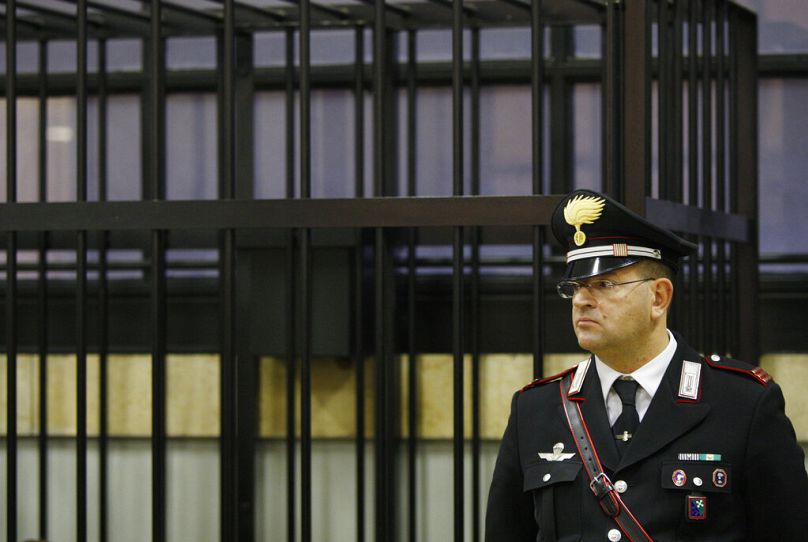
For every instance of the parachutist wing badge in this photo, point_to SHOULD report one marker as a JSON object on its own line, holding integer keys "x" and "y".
{"x": 557, "y": 453}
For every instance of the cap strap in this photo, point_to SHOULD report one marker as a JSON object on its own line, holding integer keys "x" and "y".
{"x": 618, "y": 249}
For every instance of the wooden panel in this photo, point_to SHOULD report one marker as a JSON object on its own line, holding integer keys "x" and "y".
{"x": 790, "y": 371}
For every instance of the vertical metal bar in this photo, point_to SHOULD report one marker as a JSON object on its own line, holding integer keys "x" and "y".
{"x": 359, "y": 277}
{"x": 733, "y": 199}
{"x": 359, "y": 111}
{"x": 720, "y": 90}
{"x": 229, "y": 365}
{"x": 291, "y": 289}
{"x": 537, "y": 124}
{"x": 664, "y": 91}
{"x": 379, "y": 96}
{"x": 103, "y": 299}
{"x": 474, "y": 331}
{"x": 11, "y": 272}
{"x": 675, "y": 188}
{"x": 42, "y": 294}
{"x": 676, "y": 191}
{"x": 745, "y": 112}
{"x": 81, "y": 276}
{"x": 695, "y": 330}
{"x": 612, "y": 105}
{"x": 305, "y": 276}
{"x": 457, "y": 268}
{"x": 385, "y": 486}
{"x": 734, "y": 290}
{"x": 412, "y": 380}
{"x": 156, "y": 190}
{"x": 561, "y": 114}
{"x": 637, "y": 105}
{"x": 707, "y": 163}
{"x": 245, "y": 361}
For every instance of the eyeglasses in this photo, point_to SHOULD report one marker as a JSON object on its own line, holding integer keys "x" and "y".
{"x": 601, "y": 287}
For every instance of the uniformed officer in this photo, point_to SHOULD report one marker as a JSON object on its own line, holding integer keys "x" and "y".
{"x": 645, "y": 439}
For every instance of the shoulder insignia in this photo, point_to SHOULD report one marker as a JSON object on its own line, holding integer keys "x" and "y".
{"x": 540, "y": 381}
{"x": 577, "y": 382}
{"x": 757, "y": 373}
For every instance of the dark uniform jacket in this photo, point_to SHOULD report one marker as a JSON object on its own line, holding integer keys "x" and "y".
{"x": 756, "y": 491}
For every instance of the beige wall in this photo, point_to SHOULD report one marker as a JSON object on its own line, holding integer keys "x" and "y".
{"x": 193, "y": 394}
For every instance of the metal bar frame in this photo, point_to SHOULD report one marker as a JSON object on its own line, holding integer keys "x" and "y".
{"x": 11, "y": 273}
{"x": 81, "y": 276}
{"x": 103, "y": 305}
{"x": 359, "y": 279}
{"x": 458, "y": 339}
{"x": 628, "y": 166}
{"x": 291, "y": 309}
{"x": 412, "y": 241}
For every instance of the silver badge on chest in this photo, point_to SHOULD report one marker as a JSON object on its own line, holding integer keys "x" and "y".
{"x": 689, "y": 380}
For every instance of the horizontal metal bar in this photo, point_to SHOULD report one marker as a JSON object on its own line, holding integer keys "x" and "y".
{"x": 783, "y": 65}
{"x": 685, "y": 219}
{"x": 506, "y": 71}
{"x": 322, "y": 76}
{"x": 345, "y": 212}
{"x": 281, "y": 213}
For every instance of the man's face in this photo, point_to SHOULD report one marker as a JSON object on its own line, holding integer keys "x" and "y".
{"x": 613, "y": 320}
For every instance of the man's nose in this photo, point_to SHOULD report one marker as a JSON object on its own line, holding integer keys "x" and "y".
{"x": 583, "y": 297}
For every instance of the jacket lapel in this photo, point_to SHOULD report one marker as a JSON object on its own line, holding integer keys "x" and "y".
{"x": 666, "y": 419}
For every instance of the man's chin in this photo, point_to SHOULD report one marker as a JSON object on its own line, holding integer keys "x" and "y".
{"x": 587, "y": 341}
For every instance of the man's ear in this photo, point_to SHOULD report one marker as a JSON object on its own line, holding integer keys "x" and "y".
{"x": 662, "y": 290}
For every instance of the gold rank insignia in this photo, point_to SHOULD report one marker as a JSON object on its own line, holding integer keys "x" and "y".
{"x": 582, "y": 210}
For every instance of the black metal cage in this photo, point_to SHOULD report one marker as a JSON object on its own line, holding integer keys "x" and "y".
{"x": 382, "y": 273}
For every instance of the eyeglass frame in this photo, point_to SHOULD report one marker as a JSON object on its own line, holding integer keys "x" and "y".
{"x": 604, "y": 287}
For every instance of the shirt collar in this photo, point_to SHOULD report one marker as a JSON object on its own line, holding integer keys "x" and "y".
{"x": 649, "y": 376}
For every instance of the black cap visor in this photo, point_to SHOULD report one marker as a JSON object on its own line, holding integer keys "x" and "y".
{"x": 590, "y": 267}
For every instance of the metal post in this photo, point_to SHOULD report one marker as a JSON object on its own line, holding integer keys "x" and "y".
{"x": 81, "y": 276}
{"x": 694, "y": 329}
{"x": 11, "y": 272}
{"x": 474, "y": 309}
{"x": 612, "y": 67}
{"x": 359, "y": 278}
{"x": 720, "y": 171}
{"x": 384, "y": 440}
{"x": 103, "y": 303}
{"x": 305, "y": 276}
{"x": 412, "y": 373}
{"x": 744, "y": 110}
{"x": 457, "y": 267}
{"x": 291, "y": 289}
{"x": 537, "y": 126}
{"x": 229, "y": 370}
{"x": 156, "y": 190}
{"x": 42, "y": 293}
{"x": 707, "y": 165}
{"x": 636, "y": 104}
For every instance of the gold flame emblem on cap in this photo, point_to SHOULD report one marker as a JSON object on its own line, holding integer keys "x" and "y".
{"x": 582, "y": 210}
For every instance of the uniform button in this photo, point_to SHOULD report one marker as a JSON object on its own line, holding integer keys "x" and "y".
{"x": 697, "y": 481}
{"x": 546, "y": 477}
{"x": 614, "y": 535}
{"x": 715, "y": 357}
{"x": 621, "y": 486}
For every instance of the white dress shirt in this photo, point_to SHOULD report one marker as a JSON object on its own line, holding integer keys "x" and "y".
{"x": 649, "y": 376}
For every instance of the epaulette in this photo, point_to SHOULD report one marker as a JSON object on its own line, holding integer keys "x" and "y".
{"x": 758, "y": 373}
{"x": 540, "y": 381}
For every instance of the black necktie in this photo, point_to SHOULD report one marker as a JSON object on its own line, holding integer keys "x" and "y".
{"x": 627, "y": 423}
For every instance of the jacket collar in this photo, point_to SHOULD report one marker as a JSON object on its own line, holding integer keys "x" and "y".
{"x": 666, "y": 419}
